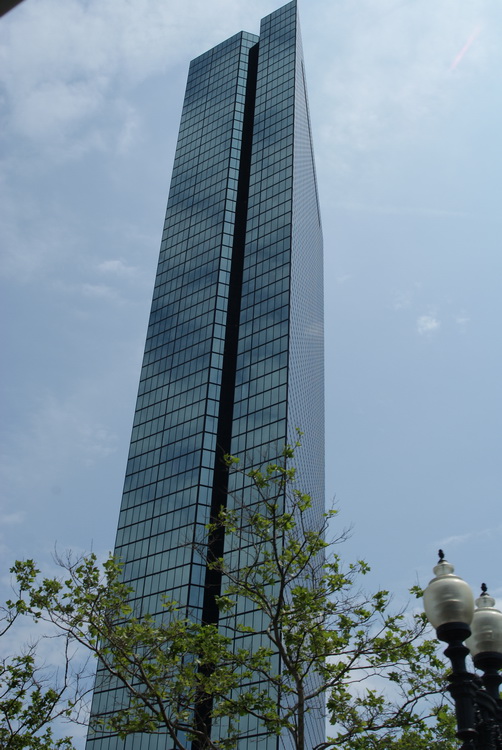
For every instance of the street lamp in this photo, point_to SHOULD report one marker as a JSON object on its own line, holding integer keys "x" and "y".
{"x": 449, "y": 607}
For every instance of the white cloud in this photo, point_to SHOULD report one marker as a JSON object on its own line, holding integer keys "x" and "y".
{"x": 397, "y": 210}
{"x": 456, "y": 540}
{"x": 59, "y": 429}
{"x": 427, "y": 324}
{"x": 50, "y": 107}
{"x": 100, "y": 291}
{"x": 27, "y": 250}
{"x": 7, "y": 521}
{"x": 65, "y": 63}
{"x": 130, "y": 129}
{"x": 116, "y": 267}
{"x": 97, "y": 442}
{"x": 402, "y": 300}
{"x": 461, "y": 539}
{"x": 389, "y": 75}
{"x": 10, "y": 519}
{"x": 462, "y": 320}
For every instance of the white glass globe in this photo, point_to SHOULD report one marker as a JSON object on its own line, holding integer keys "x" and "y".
{"x": 486, "y": 627}
{"x": 448, "y": 598}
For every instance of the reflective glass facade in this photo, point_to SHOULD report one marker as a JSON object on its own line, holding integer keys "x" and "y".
{"x": 234, "y": 353}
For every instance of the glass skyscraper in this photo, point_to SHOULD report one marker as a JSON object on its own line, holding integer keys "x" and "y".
{"x": 233, "y": 360}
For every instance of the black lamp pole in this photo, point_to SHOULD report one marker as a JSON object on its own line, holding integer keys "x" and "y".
{"x": 449, "y": 606}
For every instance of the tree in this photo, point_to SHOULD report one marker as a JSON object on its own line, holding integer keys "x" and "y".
{"x": 378, "y": 673}
{"x": 331, "y": 638}
{"x": 32, "y": 697}
{"x": 163, "y": 669}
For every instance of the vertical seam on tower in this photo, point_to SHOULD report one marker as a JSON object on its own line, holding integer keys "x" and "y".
{"x": 212, "y": 587}
{"x": 216, "y": 540}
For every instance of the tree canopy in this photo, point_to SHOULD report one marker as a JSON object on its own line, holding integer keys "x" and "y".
{"x": 312, "y": 642}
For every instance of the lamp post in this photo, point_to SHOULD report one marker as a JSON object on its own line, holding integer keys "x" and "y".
{"x": 449, "y": 607}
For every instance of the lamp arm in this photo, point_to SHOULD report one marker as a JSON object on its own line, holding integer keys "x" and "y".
{"x": 487, "y": 725}
{"x": 490, "y": 662}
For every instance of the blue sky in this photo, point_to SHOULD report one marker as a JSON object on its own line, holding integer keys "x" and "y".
{"x": 406, "y": 108}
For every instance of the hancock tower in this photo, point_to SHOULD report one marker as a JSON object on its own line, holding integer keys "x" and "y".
{"x": 233, "y": 359}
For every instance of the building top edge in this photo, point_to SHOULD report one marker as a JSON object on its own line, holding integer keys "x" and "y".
{"x": 246, "y": 35}
{"x": 292, "y": 5}
{"x": 235, "y": 39}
